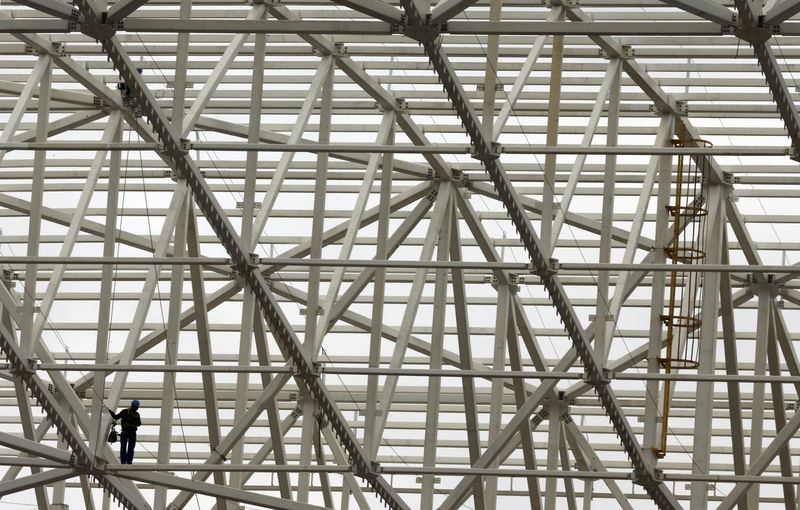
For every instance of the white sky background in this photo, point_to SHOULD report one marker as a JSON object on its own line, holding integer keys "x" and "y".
{"x": 770, "y": 208}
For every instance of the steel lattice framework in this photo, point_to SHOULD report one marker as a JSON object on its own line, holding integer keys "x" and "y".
{"x": 415, "y": 254}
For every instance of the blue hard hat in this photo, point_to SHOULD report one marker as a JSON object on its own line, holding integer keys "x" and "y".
{"x": 134, "y": 403}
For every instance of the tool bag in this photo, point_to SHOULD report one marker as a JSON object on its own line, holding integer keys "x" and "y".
{"x": 112, "y": 436}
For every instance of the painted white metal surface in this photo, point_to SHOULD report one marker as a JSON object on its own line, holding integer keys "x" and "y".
{"x": 412, "y": 293}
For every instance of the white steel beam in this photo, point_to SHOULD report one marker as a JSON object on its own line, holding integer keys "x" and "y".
{"x": 169, "y": 395}
{"x": 229, "y": 493}
{"x": 706, "y": 352}
{"x": 516, "y": 318}
{"x": 52, "y": 7}
{"x": 580, "y": 160}
{"x": 447, "y": 9}
{"x": 663, "y": 170}
{"x": 498, "y": 365}
{"x": 753, "y": 31}
{"x": 779, "y": 410}
{"x": 732, "y": 367}
{"x": 759, "y": 464}
{"x": 234, "y": 436}
{"x": 781, "y": 11}
{"x": 371, "y": 444}
{"x": 602, "y": 335}
{"x": 43, "y": 65}
{"x": 384, "y": 98}
{"x": 490, "y": 78}
{"x": 227, "y": 291}
{"x": 706, "y": 9}
{"x": 378, "y": 9}
{"x": 70, "y": 238}
{"x": 34, "y": 448}
{"x": 221, "y": 68}
{"x": 35, "y": 219}
{"x": 311, "y": 338}
{"x": 267, "y": 448}
{"x": 386, "y": 127}
{"x": 273, "y": 413}
{"x": 466, "y": 362}
{"x": 443, "y": 233}
{"x": 137, "y": 323}
{"x": 553, "y": 117}
{"x": 661, "y": 166}
{"x": 248, "y": 213}
{"x": 106, "y": 290}
{"x": 323, "y": 71}
{"x": 511, "y": 200}
{"x": 37, "y": 480}
{"x": 122, "y": 9}
{"x": 412, "y": 306}
{"x": 519, "y": 83}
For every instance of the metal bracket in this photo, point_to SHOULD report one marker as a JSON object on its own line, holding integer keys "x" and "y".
{"x": 183, "y": 147}
{"x": 421, "y": 33}
{"x": 753, "y": 34}
{"x": 682, "y": 108}
{"x": 96, "y": 101}
{"x": 627, "y": 52}
{"x": 57, "y": 49}
{"x": 99, "y": 30}
{"x": 553, "y": 266}
{"x": 492, "y": 279}
{"x": 540, "y": 416}
{"x": 498, "y": 87}
{"x": 256, "y": 205}
{"x": 730, "y": 178}
{"x": 9, "y": 275}
{"x": 304, "y": 311}
{"x": 568, "y": 3}
{"x": 75, "y": 20}
{"x": 639, "y": 478}
{"x": 460, "y": 178}
{"x": 339, "y": 50}
{"x": 603, "y": 376}
{"x": 609, "y": 317}
{"x": 400, "y": 105}
{"x": 491, "y": 152}
{"x": 432, "y": 195}
{"x": 236, "y": 274}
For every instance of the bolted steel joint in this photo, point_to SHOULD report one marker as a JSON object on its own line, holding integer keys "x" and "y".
{"x": 96, "y": 28}
{"x": 485, "y": 153}
{"x": 597, "y": 377}
{"x": 423, "y": 31}
{"x": 641, "y": 477}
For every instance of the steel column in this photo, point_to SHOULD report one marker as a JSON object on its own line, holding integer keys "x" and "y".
{"x": 701, "y": 445}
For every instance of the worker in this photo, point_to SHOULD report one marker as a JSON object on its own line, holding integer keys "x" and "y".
{"x": 130, "y": 422}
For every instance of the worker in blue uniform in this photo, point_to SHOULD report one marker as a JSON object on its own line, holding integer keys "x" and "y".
{"x": 130, "y": 421}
